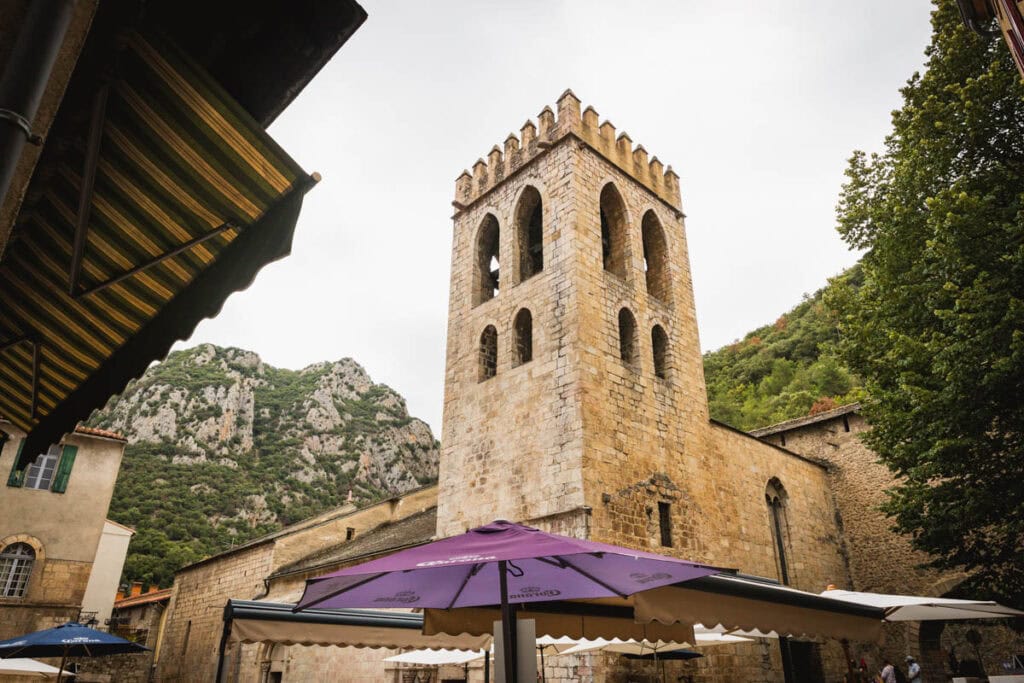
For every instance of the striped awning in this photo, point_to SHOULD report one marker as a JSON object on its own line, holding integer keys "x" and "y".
{"x": 176, "y": 199}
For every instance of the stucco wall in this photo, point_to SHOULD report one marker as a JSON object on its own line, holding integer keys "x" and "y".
{"x": 63, "y": 528}
{"x": 106, "y": 571}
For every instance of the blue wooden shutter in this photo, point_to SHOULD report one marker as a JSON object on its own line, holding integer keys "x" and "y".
{"x": 67, "y": 461}
{"x": 17, "y": 477}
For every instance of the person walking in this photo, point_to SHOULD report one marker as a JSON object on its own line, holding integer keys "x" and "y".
{"x": 913, "y": 670}
{"x": 888, "y": 673}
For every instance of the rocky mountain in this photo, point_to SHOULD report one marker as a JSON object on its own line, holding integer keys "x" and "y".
{"x": 223, "y": 447}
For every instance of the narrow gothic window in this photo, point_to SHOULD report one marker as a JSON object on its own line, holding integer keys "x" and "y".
{"x": 659, "y": 346}
{"x": 655, "y": 257}
{"x": 665, "y": 523}
{"x": 488, "y": 353}
{"x": 530, "y": 234}
{"x": 613, "y": 230}
{"x": 524, "y": 337}
{"x": 775, "y": 497}
{"x": 627, "y": 337}
{"x": 16, "y": 562}
{"x": 485, "y": 286}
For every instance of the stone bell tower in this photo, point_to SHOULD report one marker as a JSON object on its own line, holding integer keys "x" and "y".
{"x": 574, "y": 377}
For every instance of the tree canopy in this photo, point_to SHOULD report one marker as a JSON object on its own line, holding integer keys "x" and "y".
{"x": 936, "y": 329}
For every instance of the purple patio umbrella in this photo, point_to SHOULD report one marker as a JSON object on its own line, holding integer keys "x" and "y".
{"x": 500, "y": 563}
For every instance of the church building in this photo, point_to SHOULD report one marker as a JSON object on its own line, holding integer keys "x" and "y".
{"x": 575, "y": 402}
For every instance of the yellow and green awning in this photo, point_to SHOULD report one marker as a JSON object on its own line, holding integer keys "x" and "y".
{"x": 177, "y": 198}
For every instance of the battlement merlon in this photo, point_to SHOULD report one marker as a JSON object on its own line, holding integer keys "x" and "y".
{"x": 533, "y": 140}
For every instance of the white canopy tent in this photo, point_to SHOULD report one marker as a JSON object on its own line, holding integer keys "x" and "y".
{"x": 23, "y": 667}
{"x": 918, "y": 608}
{"x": 437, "y": 657}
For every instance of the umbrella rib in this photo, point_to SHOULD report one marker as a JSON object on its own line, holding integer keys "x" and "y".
{"x": 334, "y": 594}
{"x": 469, "y": 575}
{"x": 566, "y": 563}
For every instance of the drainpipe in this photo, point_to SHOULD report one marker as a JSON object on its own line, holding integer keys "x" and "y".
{"x": 25, "y": 77}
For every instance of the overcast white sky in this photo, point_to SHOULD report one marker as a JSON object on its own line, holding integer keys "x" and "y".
{"x": 757, "y": 105}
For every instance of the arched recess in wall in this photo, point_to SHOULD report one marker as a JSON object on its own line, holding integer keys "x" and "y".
{"x": 628, "y": 351}
{"x": 486, "y": 276}
{"x": 655, "y": 257}
{"x": 776, "y": 498}
{"x": 659, "y": 350}
{"x": 614, "y": 230}
{"x": 529, "y": 222}
{"x": 523, "y": 328}
{"x": 488, "y": 353}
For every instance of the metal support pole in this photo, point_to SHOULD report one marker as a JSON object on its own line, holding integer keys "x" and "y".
{"x": 509, "y": 632}
{"x": 25, "y": 77}
{"x": 225, "y": 634}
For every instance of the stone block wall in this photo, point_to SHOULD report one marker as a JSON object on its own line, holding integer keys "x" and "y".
{"x": 193, "y": 629}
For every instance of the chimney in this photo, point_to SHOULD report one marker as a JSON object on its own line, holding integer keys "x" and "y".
{"x": 136, "y": 589}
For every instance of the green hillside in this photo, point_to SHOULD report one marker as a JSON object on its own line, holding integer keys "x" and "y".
{"x": 782, "y": 370}
{"x": 223, "y": 447}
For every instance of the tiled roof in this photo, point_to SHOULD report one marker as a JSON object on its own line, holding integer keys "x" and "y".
{"x": 144, "y": 599}
{"x": 412, "y": 530}
{"x": 806, "y": 420}
{"x": 94, "y": 431}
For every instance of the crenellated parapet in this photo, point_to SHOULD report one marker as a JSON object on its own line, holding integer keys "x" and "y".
{"x": 535, "y": 139}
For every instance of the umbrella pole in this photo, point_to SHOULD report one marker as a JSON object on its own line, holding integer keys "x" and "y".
{"x": 60, "y": 672}
{"x": 543, "y": 676}
{"x": 487, "y": 666}
{"x": 508, "y": 627}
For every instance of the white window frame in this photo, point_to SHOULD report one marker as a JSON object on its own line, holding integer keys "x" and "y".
{"x": 41, "y": 473}
{"x": 16, "y": 562}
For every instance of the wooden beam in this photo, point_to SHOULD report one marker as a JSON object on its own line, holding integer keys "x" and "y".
{"x": 154, "y": 261}
{"x": 92, "y": 157}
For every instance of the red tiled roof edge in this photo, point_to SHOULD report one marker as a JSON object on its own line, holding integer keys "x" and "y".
{"x": 105, "y": 433}
{"x": 155, "y": 596}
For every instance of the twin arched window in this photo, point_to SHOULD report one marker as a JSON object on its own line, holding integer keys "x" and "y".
{"x": 16, "y": 562}
{"x": 522, "y": 351}
{"x": 628, "y": 346}
{"x": 529, "y": 235}
{"x": 614, "y": 237}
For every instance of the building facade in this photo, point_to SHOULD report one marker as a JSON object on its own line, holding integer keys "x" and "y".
{"x": 575, "y": 396}
{"x": 575, "y": 401}
{"x": 54, "y": 514}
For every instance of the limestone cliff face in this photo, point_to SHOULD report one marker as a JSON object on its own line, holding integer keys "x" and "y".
{"x": 223, "y": 447}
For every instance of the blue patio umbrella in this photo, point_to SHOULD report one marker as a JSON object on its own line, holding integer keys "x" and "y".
{"x": 68, "y": 640}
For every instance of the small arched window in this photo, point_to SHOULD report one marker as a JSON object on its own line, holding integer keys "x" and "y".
{"x": 655, "y": 257}
{"x": 627, "y": 338}
{"x": 16, "y": 562}
{"x": 613, "y": 230}
{"x": 524, "y": 337}
{"x": 775, "y": 497}
{"x": 530, "y": 233}
{"x": 659, "y": 348}
{"x": 488, "y": 353}
{"x": 485, "y": 286}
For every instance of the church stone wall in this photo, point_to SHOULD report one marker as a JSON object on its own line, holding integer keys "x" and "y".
{"x": 195, "y": 622}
